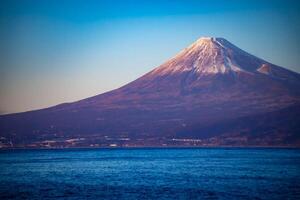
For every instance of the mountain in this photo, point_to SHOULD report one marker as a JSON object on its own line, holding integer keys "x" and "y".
{"x": 211, "y": 93}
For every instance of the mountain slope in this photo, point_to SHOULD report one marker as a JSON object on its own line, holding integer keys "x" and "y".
{"x": 208, "y": 84}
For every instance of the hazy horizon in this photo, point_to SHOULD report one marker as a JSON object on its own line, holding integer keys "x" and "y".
{"x": 62, "y": 51}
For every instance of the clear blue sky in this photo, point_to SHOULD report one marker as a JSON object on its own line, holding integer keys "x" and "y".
{"x": 62, "y": 51}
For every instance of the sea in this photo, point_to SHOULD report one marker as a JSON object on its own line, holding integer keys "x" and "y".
{"x": 150, "y": 173}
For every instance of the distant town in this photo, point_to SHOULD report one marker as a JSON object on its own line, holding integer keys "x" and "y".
{"x": 111, "y": 142}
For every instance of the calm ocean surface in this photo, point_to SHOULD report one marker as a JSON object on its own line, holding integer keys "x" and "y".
{"x": 200, "y": 173}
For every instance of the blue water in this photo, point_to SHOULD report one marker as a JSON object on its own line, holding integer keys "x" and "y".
{"x": 202, "y": 173}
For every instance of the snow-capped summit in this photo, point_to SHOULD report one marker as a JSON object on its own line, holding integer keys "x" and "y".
{"x": 211, "y": 55}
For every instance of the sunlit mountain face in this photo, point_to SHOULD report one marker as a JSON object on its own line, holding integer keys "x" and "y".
{"x": 210, "y": 94}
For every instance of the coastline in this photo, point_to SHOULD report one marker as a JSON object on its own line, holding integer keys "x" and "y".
{"x": 153, "y": 147}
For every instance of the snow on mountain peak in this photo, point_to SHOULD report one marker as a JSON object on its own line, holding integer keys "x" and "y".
{"x": 214, "y": 55}
{"x": 205, "y": 39}
{"x": 207, "y": 55}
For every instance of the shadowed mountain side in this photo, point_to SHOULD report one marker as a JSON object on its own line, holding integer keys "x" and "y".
{"x": 263, "y": 129}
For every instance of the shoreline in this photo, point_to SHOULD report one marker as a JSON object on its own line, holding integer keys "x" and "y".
{"x": 155, "y": 147}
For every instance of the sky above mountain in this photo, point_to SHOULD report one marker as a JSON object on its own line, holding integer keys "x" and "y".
{"x": 61, "y": 51}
